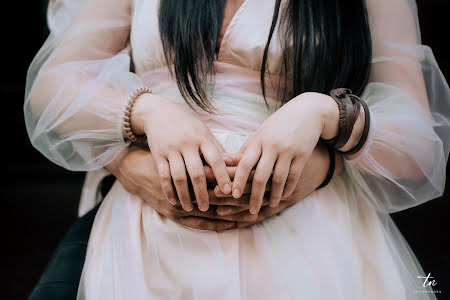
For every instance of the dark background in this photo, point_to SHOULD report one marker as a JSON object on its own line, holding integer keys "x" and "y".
{"x": 39, "y": 200}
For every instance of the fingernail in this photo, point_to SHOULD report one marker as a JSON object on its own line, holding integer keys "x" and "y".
{"x": 204, "y": 207}
{"x": 228, "y": 161}
{"x": 188, "y": 207}
{"x": 272, "y": 203}
{"x": 217, "y": 191}
{"x": 236, "y": 194}
{"x": 172, "y": 201}
{"x": 224, "y": 211}
{"x": 254, "y": 210}
{"x": 226, "y": 188}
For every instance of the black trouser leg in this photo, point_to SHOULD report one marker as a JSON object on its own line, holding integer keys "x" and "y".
{"x": 62, "y": 274}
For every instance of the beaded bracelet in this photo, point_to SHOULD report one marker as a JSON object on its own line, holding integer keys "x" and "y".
{"x": 126, "y": 123}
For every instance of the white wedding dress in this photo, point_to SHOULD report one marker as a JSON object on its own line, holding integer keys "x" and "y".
{"x": 338, "y": 243}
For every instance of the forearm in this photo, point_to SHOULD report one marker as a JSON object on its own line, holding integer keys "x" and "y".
{"x": 70, "y": 102}
{"x": 114, "y": 166}
{"x": 75, "y": 119}
{"x": 98, "y": 32}
{"x": 315, "y": 171}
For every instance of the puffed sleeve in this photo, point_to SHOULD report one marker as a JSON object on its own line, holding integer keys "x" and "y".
{"x": 78, "y": 83}
{"x": 403, "y": 163}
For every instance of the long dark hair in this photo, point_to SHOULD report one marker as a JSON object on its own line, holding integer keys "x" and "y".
{"x": 325, "y": 44}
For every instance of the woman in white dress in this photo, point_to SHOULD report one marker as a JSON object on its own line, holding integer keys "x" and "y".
{"x": 337, "y": 243}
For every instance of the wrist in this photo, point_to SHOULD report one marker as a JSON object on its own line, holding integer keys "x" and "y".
{"x": 113, "y": 166}
{"x": 328, "y": 112}
{"x": 141, "y": 112}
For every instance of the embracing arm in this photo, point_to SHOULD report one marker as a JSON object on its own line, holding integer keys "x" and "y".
{"x": 78, "y": 86}
{"x": 136, "y": 170}
{"x": 78, "y": 83}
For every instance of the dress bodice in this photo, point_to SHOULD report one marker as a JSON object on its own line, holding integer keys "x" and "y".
{"x": 242, "y": 44}
{"x": 236, "y": 90}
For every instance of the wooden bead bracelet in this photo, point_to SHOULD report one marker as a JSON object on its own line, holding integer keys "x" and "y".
{"x": 126, "y": 117}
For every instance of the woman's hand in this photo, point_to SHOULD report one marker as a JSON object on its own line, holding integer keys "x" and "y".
{"x": 177, "y": 140}
{"x": 283, "y": 145}
{"x": 136, "y": 170}
{"x": 314, "y": 173}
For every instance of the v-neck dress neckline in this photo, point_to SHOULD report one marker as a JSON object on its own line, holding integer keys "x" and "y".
{"x": 229, "y": 30}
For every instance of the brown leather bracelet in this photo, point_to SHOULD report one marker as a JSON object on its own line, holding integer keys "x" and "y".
{"x": 348, "y": 114}
{"x": 366, "y": 129}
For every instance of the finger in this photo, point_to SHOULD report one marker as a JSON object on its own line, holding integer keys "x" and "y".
{"x": 178, "y": 172}
{"x": 165, "y": 179}
{"x": 279, "y": 177}
{"x": 243, "y": 201}
{"x": 247, "y": 190}
{"x": 218, "y": 144}
{"x": 267, "y": 212}
{"x": 259, "y": 183}
{"x": 229, "y": 200}
{"x": 206, "y": 224}
{"x": 231, "y": 172}
{"x": 295, "y": 171}
{"x": 210, "y": 178}
{"x": 221, "y": 150}
{"x": 228, "y": 207}
{"x": 209, "y": 174}
{"x": 244, "y": 216}
{"x": 227, "y": 210}
{"x": 245, "y": 145}
{"x": 232, "y": 159}
{"x": 217, "y": 164}
{"x": 223, "y": 203}
{"x": 248, "y": 161}
{"x": 196, "y": 172}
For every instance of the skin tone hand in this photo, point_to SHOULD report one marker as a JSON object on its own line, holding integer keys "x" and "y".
{"x": 313, "y": 175}
{"x": 282, "y": 146}
{"x": 136, "y": 170}
{"x": 177, "y": 149}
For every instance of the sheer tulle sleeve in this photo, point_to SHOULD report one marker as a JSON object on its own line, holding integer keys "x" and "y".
{"x": 78, "y": 83}
{"x": 404, "y": 160}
